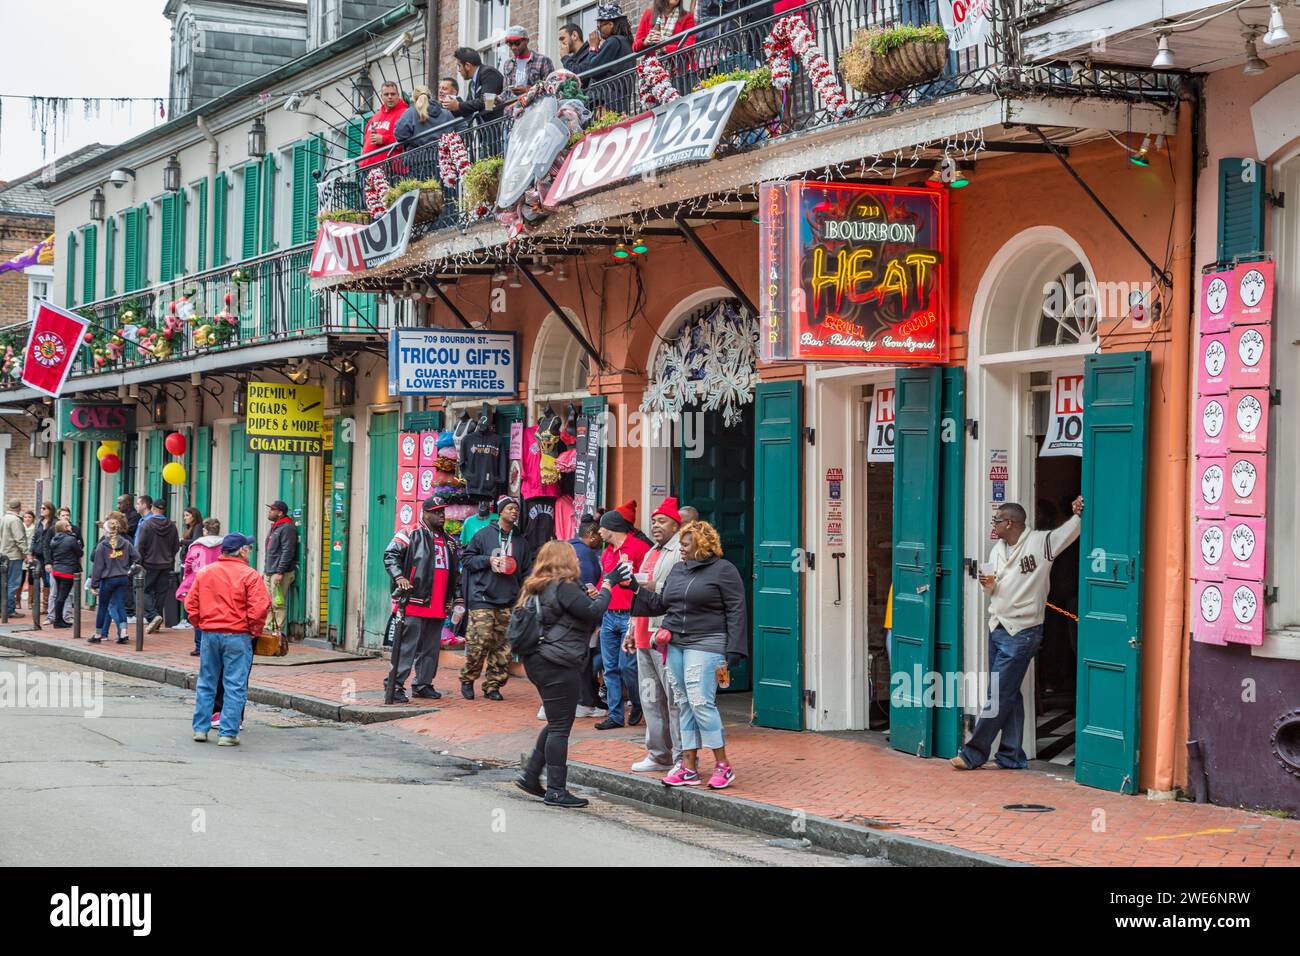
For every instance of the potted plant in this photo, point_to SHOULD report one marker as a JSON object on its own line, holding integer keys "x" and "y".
{"x": 759, "y": 102}
{"x": 480, "y": 184}
{"x": 881, "y": 60}
{"x": 343, "y": 215}
{"x": 428, "y": 207}
{"x": 604, "y": 119}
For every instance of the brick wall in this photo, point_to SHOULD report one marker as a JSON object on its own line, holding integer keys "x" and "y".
{"x": 18, "y": 234}
{"x": 21, "y": 469}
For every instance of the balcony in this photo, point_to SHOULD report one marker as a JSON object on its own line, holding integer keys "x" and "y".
{"x": 239, "y": 314}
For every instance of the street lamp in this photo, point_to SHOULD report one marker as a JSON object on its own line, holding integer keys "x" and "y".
{"x": 256, "y": 140}
{"x": 363, "y": 91}
{"x": 172, "y": 175}
{"x": 97, "y": 205}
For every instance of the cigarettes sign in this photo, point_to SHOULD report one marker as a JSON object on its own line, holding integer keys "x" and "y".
{"x": 285, "y": 419}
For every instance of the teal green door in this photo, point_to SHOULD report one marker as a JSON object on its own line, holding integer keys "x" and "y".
{"x": 92, "y": 514}
{"x": 293, "y": 492}
{"x": 79, "y": 490}
{"x": 243, "y": 488}
{"x": 54, "y": 494}
{"x": 915, "y": 558}
{"x": 778, "y": 520}
{"x": 339, "y": 495}
{"x": 154, "y": 453}
{"x": 202, "y": 457}
{"x": 381, "y": 519}
{"x": 1115, "y": 389}
{"x": 946, "y": 715}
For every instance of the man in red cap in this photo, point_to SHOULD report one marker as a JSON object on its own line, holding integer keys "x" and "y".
{"x": 618, "y": 531}
{"x": 663, "y": 736}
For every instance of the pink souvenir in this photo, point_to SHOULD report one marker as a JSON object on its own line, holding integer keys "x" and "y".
{"x": 1211, "y": 487}
{"x": 1250, "y": 356}
{"x": 1210, "y": 544}
{"x": 408, "y": 449}
{"x": 1252, "y": 293}
{"x": 428, "y": 476}
{"x": 1212, "y": 365}
{"x": 1208, "y": 611}
{"x": 1245, "y": 553}
{"x": 1210, "y": 424}
{"x": 405, "y": 515}
{"x": 428, "y": 449}
{"x": 407, "y": 479}
{"x": 1247, "y": 419}
{"x": 1216, "y": 302}
{"x": 1244, "y": 612}
{"x": 1244, "y": 489}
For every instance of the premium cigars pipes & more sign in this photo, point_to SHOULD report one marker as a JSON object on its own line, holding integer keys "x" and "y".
{"x": 853, "y": 273}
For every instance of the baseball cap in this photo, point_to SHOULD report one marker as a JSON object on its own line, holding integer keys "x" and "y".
{"x": 233, "y": 542}
{"x": 434, "y": 503}
{"x": 515, "y": 32}
{"x": 279, "y": 506}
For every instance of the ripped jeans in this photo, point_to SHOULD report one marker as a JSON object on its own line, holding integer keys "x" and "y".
{"x": 694, "y": 678}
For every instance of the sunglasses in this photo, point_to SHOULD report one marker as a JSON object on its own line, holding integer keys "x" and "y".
{"x": 997, "y": 521}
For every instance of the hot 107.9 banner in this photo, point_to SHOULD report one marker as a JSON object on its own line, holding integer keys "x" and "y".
{"x": 853, "y": 273}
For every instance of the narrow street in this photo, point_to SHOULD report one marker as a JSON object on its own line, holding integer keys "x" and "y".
{"x": 130, "y": 788}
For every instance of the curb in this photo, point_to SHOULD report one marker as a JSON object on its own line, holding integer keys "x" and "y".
{"x": 176, "y": 677}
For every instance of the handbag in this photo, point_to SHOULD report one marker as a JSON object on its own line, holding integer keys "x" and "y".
{"x": 272, "y": 643}
{"x": 524, "y": 632}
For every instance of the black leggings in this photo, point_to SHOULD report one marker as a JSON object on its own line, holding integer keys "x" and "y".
{"x": 558, "y": 687}
{"x": 62, "y": 588}
{"x": 588, "y": 689}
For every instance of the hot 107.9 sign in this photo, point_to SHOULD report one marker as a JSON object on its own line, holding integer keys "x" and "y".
{"x": 853, "y": 273}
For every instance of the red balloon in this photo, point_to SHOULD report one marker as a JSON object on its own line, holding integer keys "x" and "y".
{"x": 175, "y": 443}
{"x": 110, "y": 463}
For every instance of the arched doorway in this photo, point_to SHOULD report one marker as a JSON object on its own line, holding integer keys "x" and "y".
{"x": 1034, "y": 317}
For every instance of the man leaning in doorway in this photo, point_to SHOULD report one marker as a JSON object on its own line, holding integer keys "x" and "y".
{"x": 281, "y": 560}
{"x": 1017, "y": 590}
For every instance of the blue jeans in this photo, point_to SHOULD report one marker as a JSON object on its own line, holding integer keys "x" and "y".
{"x": 1009, "y": 657}
{"x": 694, "y": 677}
{"x": 231, "y": 657}
{"x": 112, "y": 605}
{"x": 198, "y": 640}
{"x": 15, "y": 582}
{"x": 620, "y": 666}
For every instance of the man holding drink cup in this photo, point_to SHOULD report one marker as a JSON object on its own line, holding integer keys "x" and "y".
{"x": 484, "y": 101}
{"x": 621, "y": 547}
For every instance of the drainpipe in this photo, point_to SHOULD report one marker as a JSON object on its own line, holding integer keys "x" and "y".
{"x": 202, "y": 125}
{"x": 1172, "y": 664}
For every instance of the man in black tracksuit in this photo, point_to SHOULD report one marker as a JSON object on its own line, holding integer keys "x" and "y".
{"x": 281, "y": 563}
{"x": 157, "y": 541}
{"x": 496, "y": 560}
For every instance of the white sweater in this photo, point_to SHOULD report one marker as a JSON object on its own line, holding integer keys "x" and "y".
{"x": 1022, "y": 576}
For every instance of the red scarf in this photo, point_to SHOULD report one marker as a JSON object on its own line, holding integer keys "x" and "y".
{"x": 273, "y": 527}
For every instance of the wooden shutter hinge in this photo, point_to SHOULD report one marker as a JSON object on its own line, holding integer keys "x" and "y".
{"x": 1276, "y": 199}
{"x": 973, "y": 426}
{"x": 1275, "y": 394}
{"x": 810, "y": 699}
{"x": 810, "y": 434}
{"x": 1270, "y": 595}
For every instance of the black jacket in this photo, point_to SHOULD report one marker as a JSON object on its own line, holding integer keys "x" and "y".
{"x": 487, "y": 80}
{"x": 282, "y": 549}
{"x": 41, "y": 541}
{"x": 485, "y": 463}
{"x": 699, "y": 598}
{"x": 63, "y": 553}
{"x": 568, "y": 618}
{"x": 576, "y": 62}
{"x": 485, "y": 588}
{"x": 107, "y": 563}
{"x": 132, "y": 522}
{"x": 611, "y": 48}
{"x": 411, "y": 554}
{"x": 159, "y": 541}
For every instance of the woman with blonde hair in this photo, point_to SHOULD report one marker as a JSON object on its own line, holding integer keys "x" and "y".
{"x": 567, "y": 613}
{"x": 415, "y": 127}
{"x": 110, "y": 577}
{"x": 705, "y": 632}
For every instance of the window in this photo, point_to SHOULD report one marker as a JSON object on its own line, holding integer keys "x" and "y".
{"x": 324, "y": 22}
{"x": 40, "y": 286}
{"x": 580, "y": 12}
{"x": 482, "y": 24}
{"x": 1069, "y": 309}
{"x": 183, "y": 63}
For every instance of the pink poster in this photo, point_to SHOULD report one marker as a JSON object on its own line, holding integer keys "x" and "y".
{"x": 1245, "y": 557}
{"x": 1252, "y": 286}
{"x": 1249, "y": 356}
{"x": 1210, "y": 487}
{"x": 1244, "y": 491}
{"x": 1208, "y": 623}
{"x": 1210, "y": 549}
{"x": 1245, "y": 617}
{"x": 408, "y": 449}
{"x": 428, "y": 449}
{"x": 1212, "y": 366}
{"x": 1247, "y": 419}
{"x": 405, "y": 515}
{"x": 427, "y": 478}
{"x": 1216, "y": 304}
{"x": 1211, "y": 438}
{"x": 406, "y": 482}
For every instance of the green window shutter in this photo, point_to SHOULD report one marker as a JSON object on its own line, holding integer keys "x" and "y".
{"x": 268, "y": 203}
{"x": 219, "y": 189}
{"x": 167, "y": 243}
{"x": 110, "y": 239}
{"x": 178, "y": 232}
{"x": 251, "y": 182}
{"x": 201, "y": 254}
{"x": 315, "y": 165}
{"x": 301, "y": 185}
{"x": 202, "y": 449}
{"x": 131, "y": 250}
{"x": 70, "y": 279}
{"x": 142, "y": 253}
{"x": 89, "y": 255}
{"x": 1241, "y": 208}
{"x": 355, "y": 131}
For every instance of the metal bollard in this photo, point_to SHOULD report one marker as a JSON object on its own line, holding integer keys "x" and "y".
{"x": 76, "y": 606}
{"x": 4, "y": 576}
{"x": 37, "y": 583}
{"x": 137, "y": 585}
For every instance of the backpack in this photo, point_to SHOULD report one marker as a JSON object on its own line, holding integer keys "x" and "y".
{"x": 524, "y": 632}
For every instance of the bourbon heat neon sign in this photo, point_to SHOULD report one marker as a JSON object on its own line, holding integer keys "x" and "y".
{"x": 853, "y": 273}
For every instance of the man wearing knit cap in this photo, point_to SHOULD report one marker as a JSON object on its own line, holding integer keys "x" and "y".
{"x": 663, "y": 736}
{"x": 496, "y": 561}
{"x": 621, "y": 544}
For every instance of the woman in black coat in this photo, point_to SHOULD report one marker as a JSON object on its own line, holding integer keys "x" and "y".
{"x": 64, "y": 553}
{"x": 568, "y": 614}
{"x": 615, "y": 43}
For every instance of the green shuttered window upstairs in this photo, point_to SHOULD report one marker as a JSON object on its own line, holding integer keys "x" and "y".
{"x": 219, "y": 190}
{"x": 90, "y": 241}
{"x": 252, "y": 181}
{"x": 70, "y": 276}
{"x": 1241, "y": 208}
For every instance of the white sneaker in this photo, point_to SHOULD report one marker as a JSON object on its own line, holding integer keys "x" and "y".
{"x": 584, "y": 711}
{"x": 650, "y": 765}
{"x": 184, "y": 626}
{"x": 131, "y": 619}
{"x": 541, "y": 712}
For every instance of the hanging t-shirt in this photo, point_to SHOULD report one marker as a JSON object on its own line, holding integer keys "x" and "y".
{"x": 473, "y": 525}
{"x": 539, "y": 522}
{"x": 485, "y": 463}
{"x": 532, "y": 486}
{"x": 566, "y": 522}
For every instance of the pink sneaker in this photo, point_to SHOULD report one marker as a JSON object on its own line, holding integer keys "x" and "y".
{"x": 216, "y": 719}
{"x": 681, "y": 776}
{"x": 722, "y": 777}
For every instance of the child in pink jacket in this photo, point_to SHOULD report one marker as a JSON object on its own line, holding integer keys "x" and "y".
{"x": 202, "y": 552}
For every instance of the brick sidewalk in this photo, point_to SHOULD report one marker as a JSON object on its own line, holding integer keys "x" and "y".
{"x": 849, "y": 777}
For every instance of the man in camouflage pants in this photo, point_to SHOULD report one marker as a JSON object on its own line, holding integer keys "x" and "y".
{"x": 496, "y": 560}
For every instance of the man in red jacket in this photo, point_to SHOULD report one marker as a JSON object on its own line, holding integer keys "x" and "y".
{"x": 617, "y": 530}
{"x": 228, "y": 602}
{"x": 379, "y": 144}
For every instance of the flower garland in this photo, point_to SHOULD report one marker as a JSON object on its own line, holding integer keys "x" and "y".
{"x": 11, "y": 361}
{"x": 377, "y": 187}
{"x": 453, "y": 158}
{"x": 223, "y": 327}
{"x": 792, "y": 37}
{"x": 652, "y": 83}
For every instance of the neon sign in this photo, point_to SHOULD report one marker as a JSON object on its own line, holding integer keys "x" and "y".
{"x": 853, "y": 273}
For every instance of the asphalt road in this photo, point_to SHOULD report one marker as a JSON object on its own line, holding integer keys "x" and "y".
{"x": 128, "y": 787}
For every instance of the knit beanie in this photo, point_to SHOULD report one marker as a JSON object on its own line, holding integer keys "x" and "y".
{"x": 668, "y": 508}
{"x": 621, "y": 519}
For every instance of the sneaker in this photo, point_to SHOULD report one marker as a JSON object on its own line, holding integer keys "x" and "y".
{"x": 200, "y": 738}
{"x": 564, "y": 799}
{"x": 227, "y": 741}
{"x": 122, "y": 640}
{"x": 192, "y": 653}
{"x": 216, "y": 718}
{"x": 184, "y": 626}
{"x": 682, "y": 776}
{"x": 541, "y": 712}
{"x": 585, "y": 711}
{"x": 155, "y": 624}
{"x": 131, "y": 619}
{"x": 722, "y": 778}
{"x": 960, "y": 763}
{"x": 650, "y": 765}
{"x": 94, "y": 640}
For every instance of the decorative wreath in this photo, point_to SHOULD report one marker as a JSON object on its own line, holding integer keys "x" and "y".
{"x": 791, "y": 36}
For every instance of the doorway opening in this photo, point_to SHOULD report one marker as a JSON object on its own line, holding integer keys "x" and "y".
{"x": 879, "y": 551}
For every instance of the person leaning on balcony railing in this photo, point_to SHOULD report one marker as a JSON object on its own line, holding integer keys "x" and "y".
{"x": 573, "y": 48}
{"x": 485, "y": 87}
{"x": 524, "y": 67}
{"x": 382, "y": 125}
{"x": 416, "y": 128}
{"x": 614, "y": 41}
{"x": 662, "y": 19}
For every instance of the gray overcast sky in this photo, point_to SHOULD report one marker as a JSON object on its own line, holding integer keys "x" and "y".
{"x": 79, "y": 48}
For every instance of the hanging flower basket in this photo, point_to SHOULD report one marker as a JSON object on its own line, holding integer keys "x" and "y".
{"x": 759, "y": 102}
{"x": 428, "y": 207}
{"x": 878, "y": 61}
{"x": 480, "y": 184}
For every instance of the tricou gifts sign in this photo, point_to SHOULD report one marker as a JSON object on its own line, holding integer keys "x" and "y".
{"x": 853, "y": 273}
{"x": 452, "y": 362}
